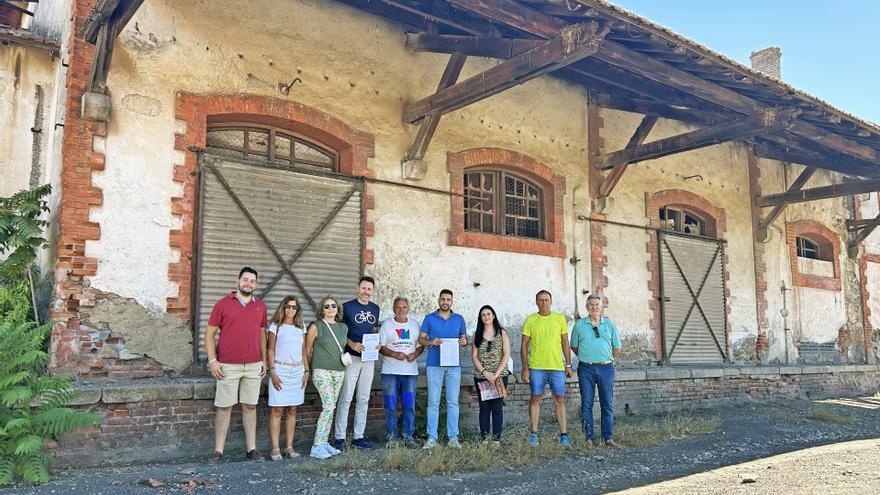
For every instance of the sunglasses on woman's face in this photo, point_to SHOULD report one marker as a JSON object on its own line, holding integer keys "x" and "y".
{"x": 330, "y": 306}
{"x": 291, "y": 306}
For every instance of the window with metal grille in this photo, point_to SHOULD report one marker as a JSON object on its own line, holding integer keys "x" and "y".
{"x": 683, "y": 221}
{"x": 496, "y": 202}
{"x": 263, "y": 143}
{"x": 816, "y": 250}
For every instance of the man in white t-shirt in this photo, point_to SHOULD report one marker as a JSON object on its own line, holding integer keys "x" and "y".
{"x": 399, "y": 338}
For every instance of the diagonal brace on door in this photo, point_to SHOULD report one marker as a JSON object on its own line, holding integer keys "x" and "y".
{"x": 696, "y": 300}
{"x": 259, "y": 230}
{"x": 296, "y": 256}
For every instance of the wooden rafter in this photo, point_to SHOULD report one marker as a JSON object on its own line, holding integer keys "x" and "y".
{"x": 764, "y": 122}
{"x": 617, "y": 172}
{"x": 844, "y": 164}
{"x": 797, "y": 185}
{"x": 816, "y": 193}
{"x": 572, "y": 44}
{"x": 477, "y": 46}
{"x": 429, "y": 123}
{"x": 861, "y": 229}
{"x": 542, "y": 25}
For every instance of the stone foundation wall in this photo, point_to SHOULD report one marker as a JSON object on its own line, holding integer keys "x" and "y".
{"x": 146, "y": 421}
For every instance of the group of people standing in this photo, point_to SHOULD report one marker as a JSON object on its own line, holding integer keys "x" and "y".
{"x": 329, "y": 352}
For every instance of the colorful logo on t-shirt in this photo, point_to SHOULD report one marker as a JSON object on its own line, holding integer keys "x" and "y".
{"x": 402, "y": 333}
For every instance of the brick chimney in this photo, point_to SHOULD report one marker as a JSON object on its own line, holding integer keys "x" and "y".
{"x": 768, "y": 61}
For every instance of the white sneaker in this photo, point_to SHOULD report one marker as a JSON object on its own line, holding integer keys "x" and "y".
{"x": 319, "y": 452}
{"x": 331, "y": 449}
{"x": 430, "y": 444}
{"x": 453, "y": 442}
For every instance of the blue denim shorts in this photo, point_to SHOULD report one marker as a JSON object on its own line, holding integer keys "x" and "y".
{"x": 539, "y": 379}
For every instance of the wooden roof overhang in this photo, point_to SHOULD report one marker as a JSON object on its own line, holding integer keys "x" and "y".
{"x": 629, "y": 63}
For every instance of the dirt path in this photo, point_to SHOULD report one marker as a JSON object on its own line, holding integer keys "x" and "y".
{"x": 745, "y": 433}
{"x": 844, "y": 468}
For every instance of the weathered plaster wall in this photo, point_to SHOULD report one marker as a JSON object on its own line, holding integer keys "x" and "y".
{"x": 361, "y": 74}
{"x": 870, "y": 209}
{"x": 23, "y": 72}
{"x": 816, "y": 315}
{"x": 720, "y": 175}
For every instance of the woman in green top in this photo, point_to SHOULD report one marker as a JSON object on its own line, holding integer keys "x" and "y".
{"x": 324, "y": 340}
{"x": 490, "y": 353}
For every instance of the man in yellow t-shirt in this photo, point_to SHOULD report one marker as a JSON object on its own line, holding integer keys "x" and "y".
{"x": 546, "y": 360}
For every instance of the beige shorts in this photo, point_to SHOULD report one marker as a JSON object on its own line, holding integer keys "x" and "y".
{"x": 240, "y": 383}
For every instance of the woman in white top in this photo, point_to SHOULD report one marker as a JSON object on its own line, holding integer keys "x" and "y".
{"x": 287, "y": 374}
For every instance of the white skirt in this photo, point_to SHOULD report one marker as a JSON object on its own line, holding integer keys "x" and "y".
{"x": 291, "y": 393}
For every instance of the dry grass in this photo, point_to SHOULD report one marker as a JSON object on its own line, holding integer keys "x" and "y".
{"x": 656, "y": 431}
{"x": 830, "y": 415}
{"x": 514, "y": 452}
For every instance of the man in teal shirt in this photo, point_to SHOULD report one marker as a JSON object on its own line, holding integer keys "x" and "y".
{"x": 596, "y": 342}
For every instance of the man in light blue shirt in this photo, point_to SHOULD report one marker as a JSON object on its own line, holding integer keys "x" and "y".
{"x": 596, "y": 342}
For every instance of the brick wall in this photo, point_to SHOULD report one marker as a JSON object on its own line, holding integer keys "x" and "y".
{"x": 162, "y": 420}
{"x": 761, "y": 304}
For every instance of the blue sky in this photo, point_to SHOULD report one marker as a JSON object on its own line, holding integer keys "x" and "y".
{"x": 829, "y": 48}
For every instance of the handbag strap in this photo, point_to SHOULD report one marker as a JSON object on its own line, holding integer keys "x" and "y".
{"x": 333, "y": 335}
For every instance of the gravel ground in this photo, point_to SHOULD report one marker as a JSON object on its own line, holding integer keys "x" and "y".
{"x": 745, "y": 433}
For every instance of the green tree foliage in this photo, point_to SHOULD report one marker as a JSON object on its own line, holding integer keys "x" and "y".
{"x": 32, "y": 403}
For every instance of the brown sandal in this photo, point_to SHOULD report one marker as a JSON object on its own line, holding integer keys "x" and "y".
{"x": 275, "y": 454}
{"x": 289, "y": 453}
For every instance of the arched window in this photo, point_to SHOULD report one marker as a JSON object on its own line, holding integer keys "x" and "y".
{"x": 818, "y": 249}
{"x": 498, "y": 202}
{"x": 681, "y": 220}
{"x": 269, "y": 144}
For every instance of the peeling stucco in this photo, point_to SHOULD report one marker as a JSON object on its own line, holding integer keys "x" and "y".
{"x": 128, "y": 331}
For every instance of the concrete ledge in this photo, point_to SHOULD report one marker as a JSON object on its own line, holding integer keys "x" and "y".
{"x": 204, "y": 390}
{"x": 810, "y": 370}
{"x": 707, "y": 373}
{"x": 732, "y": 371}
{"x": 86, "y": 396}
{"x": 625, "y": 375}
{"x": 668, "y": 374}
{"x": 136, "y": 392}
{"x": 791, "y": 370}
{"x": 760, "y": 371}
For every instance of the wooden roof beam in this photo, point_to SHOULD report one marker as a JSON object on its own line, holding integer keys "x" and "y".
{"x": 476, "y": 46}
{"x": 766, "y": 121}
{"x": 574, "y": 43}
{"x": 862, "y": 229}
{"x": 781, "y": 150}
{"x": 797, "y": 185}
{"x": 638, "y": 137}
{"x": 817, "y": 193}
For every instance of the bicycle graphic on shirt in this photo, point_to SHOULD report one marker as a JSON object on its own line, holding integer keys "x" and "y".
{"x": 365, "y": 317}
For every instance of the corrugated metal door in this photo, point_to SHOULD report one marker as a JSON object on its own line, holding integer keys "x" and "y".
{"x": 301, "y": 232}
{"x": 692, "y": 288}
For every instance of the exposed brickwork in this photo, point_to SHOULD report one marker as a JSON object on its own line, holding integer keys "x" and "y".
{"x": 75, "y": 347}
{"x": 816, "y": 231}
{"x": 354, "y": 148}
{"x": 716, "y": 226}
{"x": 552, "y": 184}
{"x": 768, "y": 61}
{"x": 761, "y": 304}
{"x": 864, "y": 259}
{"x": 156, "y": 428}
{"x": 598, "y": 239}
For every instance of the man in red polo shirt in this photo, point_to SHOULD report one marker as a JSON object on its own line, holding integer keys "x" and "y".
{"x": 237, "y": 360}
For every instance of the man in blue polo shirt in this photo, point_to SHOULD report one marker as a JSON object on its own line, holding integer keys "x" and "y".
{"x": 596, "y": 343}
{"x": 439, "y": 325}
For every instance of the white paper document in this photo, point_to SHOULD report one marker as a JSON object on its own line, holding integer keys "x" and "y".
{"x": 449, "y": 352}
{"x": 371, "y": 347}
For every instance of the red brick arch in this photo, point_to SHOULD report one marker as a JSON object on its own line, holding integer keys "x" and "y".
{"x": 354, "y": 148}
{"x": 715, "y": 219}
{"x": 551, "y": 183}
